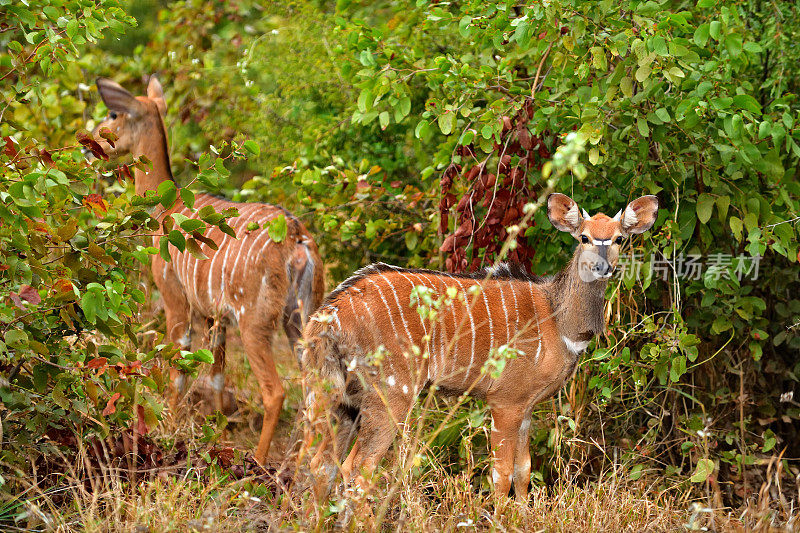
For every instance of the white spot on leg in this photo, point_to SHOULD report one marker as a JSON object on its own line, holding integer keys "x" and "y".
{"x": 495, "y": 476}
{"x": 390, "y": 381}
{"x": 185, "y": 341}
{"x": 179, "y": 382}
{"x": 218, "y": 382}
{"x": 405, "y": 389}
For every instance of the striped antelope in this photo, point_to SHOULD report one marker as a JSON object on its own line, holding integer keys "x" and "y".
{"x": 251, "y": 280}
{"x": 547, "y": 321}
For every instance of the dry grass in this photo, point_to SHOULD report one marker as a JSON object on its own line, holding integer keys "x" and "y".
{"x": 404, "y": 496}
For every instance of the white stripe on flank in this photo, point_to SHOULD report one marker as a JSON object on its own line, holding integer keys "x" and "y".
{"x": 424, "y": 283}
{"x": 399, "y": 307}
{"x": 216, "y": 253}
{"x": 489, "y": 315}
{"x": 468, "y": 305}
{"x": 241, "y": 243}
{"x": 456, "y": 330}
{"x": 253, "y": 245}
{"x": 538, "y": 324}
{"x": 386, "y": 304}
{"x": 224, "y": 267}
{"x": 505, "y": 313}
{"x": 420, "y": 282}
{"x": 372, "y": 323}
{"x": 517, "y": 318}
{"x": 195, "y": 283}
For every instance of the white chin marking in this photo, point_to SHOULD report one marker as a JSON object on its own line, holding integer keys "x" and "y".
{"x": 576, "y": 347}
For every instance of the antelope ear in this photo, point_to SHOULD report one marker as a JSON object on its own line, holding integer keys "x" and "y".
{"x": 640, "y": 215}
{"x": 117, "y": 98}
{"x": 156, "y": 94}
{"x": 564, "y": 213}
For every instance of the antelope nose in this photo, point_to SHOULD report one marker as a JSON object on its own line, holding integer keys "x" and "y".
{"x": 602, "y": 269}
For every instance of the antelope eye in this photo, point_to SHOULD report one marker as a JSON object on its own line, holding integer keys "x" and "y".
{"x": 112, "y": 114}
{"x": 584, "y": 239}
{"x": 618, "y": 240}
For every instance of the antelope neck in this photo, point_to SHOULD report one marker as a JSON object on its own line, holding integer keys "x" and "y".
{"x": 154, "y": 147}
{"x": 577, "y": 305}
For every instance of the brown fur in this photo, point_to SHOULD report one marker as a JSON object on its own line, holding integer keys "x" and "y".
{"x": 546, "y": 320}
{"x": 251, "y": 280}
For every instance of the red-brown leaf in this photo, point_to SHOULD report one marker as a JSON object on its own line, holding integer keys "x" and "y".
{"x": 29, "y": 294}
{"x": 46, "y": 158}
{"x": 109, "y": 136}
{"x": 62, "y": 285}
{"x": 97, "y": 362}
{"x": 141, "y": 425}
{"x": 15, "y": 299}
{"x": 96, "y": 203}
{"x": 85, "y": 139}
{"x": 9, "y": 149}
{"x": 111, "y": 407}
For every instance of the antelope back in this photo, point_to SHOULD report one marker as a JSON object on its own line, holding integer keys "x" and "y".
{"x": 372, "y": 312}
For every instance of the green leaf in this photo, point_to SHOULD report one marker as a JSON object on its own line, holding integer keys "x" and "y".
{"x": 676, "y": 72}
{"x": 72, "y": 28}
{"x": 705, "y": 467}
{"x": 747, "y": 102}
{"x": 736, "y": 227}
{"x": 365, "y": 100}
{"x": 626, "y": 86}
{"x": 192, "y": 224}
{"x": 422, "y": 129}
{"x": 643, "y": 72}
{"x": 705, "y": 203}
{"x": 733, "y": 43}
{"x": 599, "y": 60}
{"x": 16, "y": 338}
{"x": 659, "y": 46}
{"x": 163, "y": 249}
{"x": 383, "y": 119}
{"x": 277, "y": 228}
{"x": 663, "y": 114}
{"x": 187, "y": 196}
{"x": 193, "y": 248}
{"x": 404, "y": 106}
{"x": 167, "y": 192}
{"x": 447, "y": 121}
{"x": 701, "y": 35}
{"x": 644, "y": 129}
{"x": 706, "y": 3}
{"x": 203, "y": 356}
{"x": 723, "y": 202}
{"x": 177, "y": 239}
{"x": 252, "y": 147}
{"x": 715, "y": 30}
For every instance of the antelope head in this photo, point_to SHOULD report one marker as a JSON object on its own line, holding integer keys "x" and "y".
{"x": 129, "y": 117}
{"x": 600, "y": 236}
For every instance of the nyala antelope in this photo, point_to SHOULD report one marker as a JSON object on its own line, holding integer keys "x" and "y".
{"x": 251, "y": 280}
{"x": 547, "y": 322}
